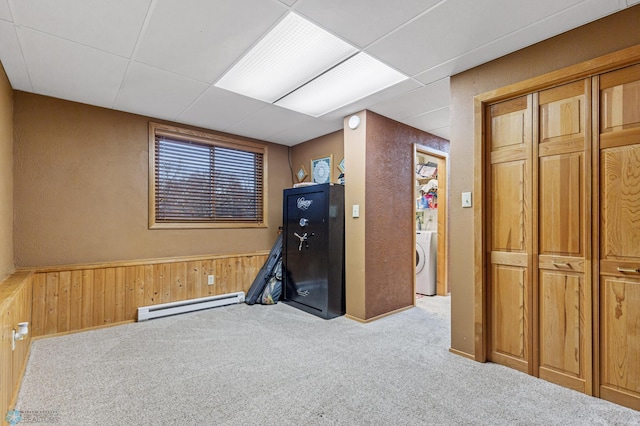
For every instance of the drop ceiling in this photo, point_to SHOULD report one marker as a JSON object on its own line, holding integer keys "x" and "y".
{"x": 162, "y": 58}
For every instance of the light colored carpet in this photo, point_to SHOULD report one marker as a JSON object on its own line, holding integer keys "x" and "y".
{"x": 276, "y": 365}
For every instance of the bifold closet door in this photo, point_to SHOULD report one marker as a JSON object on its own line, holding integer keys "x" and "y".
{"x": 563, "y": 246}
{"x": 620, "y": 236}
{"x": 509, "y": 132}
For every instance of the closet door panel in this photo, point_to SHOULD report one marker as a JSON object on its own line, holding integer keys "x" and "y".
{"x": 620, "y": 236}
{"x": 509, "y": 206}
{"x": 620, "y": 340}
{"x": 563, "y": 324}
{"x": 509, "y": 130}
{"x": 562, "y": 118}
{"x": 510, "y": 335}
{"x": 510, "y": 125}
{"x": 564, "y": 297}
{"x": 560, "y": 310}
{"x": 620, "y": 202}
{"x": 561, "y": 204}
{"x": 620, "y": 100}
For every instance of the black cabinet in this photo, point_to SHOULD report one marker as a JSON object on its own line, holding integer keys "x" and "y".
{"x": 313, "y": 249}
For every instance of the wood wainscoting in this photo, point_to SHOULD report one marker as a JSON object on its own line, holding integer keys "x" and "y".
{"x": 15, "y": 307}
{"x": 79, "y": 297}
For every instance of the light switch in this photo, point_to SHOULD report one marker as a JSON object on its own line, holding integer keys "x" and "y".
{"x": 356, "y": 210}
{"x": 466, "y": 199}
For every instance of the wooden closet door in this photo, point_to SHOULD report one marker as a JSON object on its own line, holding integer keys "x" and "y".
{"x": 509, "y": 132}
{"x": 564, "y": 284}
{"x": 620, "y": 236}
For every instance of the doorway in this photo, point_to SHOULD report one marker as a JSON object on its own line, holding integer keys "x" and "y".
{"x": 430, "y": 213}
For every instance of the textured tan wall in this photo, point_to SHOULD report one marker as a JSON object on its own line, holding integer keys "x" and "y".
{"x": 389, "y": 186}
{"x": 6, "y": 175}
{"x": 607, "y": 35}
{"x": 355, "y": 147}
{"x": 331, "y": 144}
{"x": 81, "y": 190}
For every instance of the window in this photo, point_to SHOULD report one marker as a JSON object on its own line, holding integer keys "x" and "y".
{"x": 200, "y": 180}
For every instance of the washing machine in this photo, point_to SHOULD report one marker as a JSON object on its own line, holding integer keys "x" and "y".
{"x": 426, "y": 262}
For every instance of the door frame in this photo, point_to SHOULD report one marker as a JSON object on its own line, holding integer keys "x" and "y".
{"x": 442, "y": 288}
{"x": 579, "y": 71}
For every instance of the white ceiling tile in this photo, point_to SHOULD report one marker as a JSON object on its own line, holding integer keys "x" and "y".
{"x": 455, "y": 27}
{"x": 5, "y": 12}
{"x": 430, "y": 120}
{"x": 443, "y": 70}
{"x": 572, "y": 17}
{"x": 188, "y": 45}
{"x": 68, "y": 70}
{"x": 362, "y": 21}
{"x": 307, "y": 131}
{"x": 268, "y": 121}
{"x": 201, "y": 39}
{"x": 218, "y": 109}
{"x": 427, "y": 98}
{"x": 388, "y": 93}
{"x": 443, "y": 132}
{"x": 12, "y": 59}
{"x": 150, "y": 91}
{"x": 109, "y": 25}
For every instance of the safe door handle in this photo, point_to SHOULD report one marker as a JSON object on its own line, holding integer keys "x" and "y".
{"x": 629, "y": 270}
{"x": 302, "y": 239}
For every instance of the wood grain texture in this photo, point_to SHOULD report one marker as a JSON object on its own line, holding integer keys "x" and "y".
{"x": 561, "y": 204}
{"x": 620, "y": 328}
{"x": 620, "y": 202}
{"x": 610, "y": 109}
{"x": 619, "y": 255}
{"x": 509, "y": 182}
{"x": 509, "y": 222}
{"x": 16, "y": 303}
{"x": 510, "y": 340}
{"x": 561, "y": 321}
{"x": 83, "y": 297}
{"x": 564, "y": 329}
{"x": 481, "y": 213}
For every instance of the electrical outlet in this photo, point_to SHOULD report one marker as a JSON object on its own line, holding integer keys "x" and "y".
{"x": 356, "y": 210}
{"x": 211, "y": 280}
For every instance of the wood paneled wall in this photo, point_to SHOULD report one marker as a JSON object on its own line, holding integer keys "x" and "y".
{"x": 78, "y": 297}
{"x": 15, "y": 307}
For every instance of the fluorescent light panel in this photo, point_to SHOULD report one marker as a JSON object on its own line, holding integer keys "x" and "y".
{"x": 291, "y": 54}
{"x": 354, "y": 79}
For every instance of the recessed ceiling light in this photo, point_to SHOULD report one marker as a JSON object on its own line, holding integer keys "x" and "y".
{"x": 354, "y": 79}
{"x": 292, "y": 53}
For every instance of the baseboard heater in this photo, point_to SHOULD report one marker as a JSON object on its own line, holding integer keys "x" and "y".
{"x": 174, "y": 308}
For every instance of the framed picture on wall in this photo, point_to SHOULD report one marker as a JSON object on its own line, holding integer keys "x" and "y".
{"x": 341, "y": 165}
{"x": 301, "y": 174}
{"x": 321, "y": 169}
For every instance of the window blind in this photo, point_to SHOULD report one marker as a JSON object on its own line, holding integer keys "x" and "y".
{"x": 198, "y": 182}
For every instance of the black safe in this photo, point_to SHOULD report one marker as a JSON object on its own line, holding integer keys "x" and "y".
{"x": 313, "y": 249}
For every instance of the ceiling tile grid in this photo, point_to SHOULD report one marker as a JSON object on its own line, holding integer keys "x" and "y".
{"x": 200, "y": 39}
{"x": 109, "y": 25}
{"x": 161, "y": 58}
{"x": 72, "y": 71}
{"x": 13, "y": 59}
{"x": 219, "y": 109}
{"x": 161, "y": 93}
{"x": 5, "y": 12}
